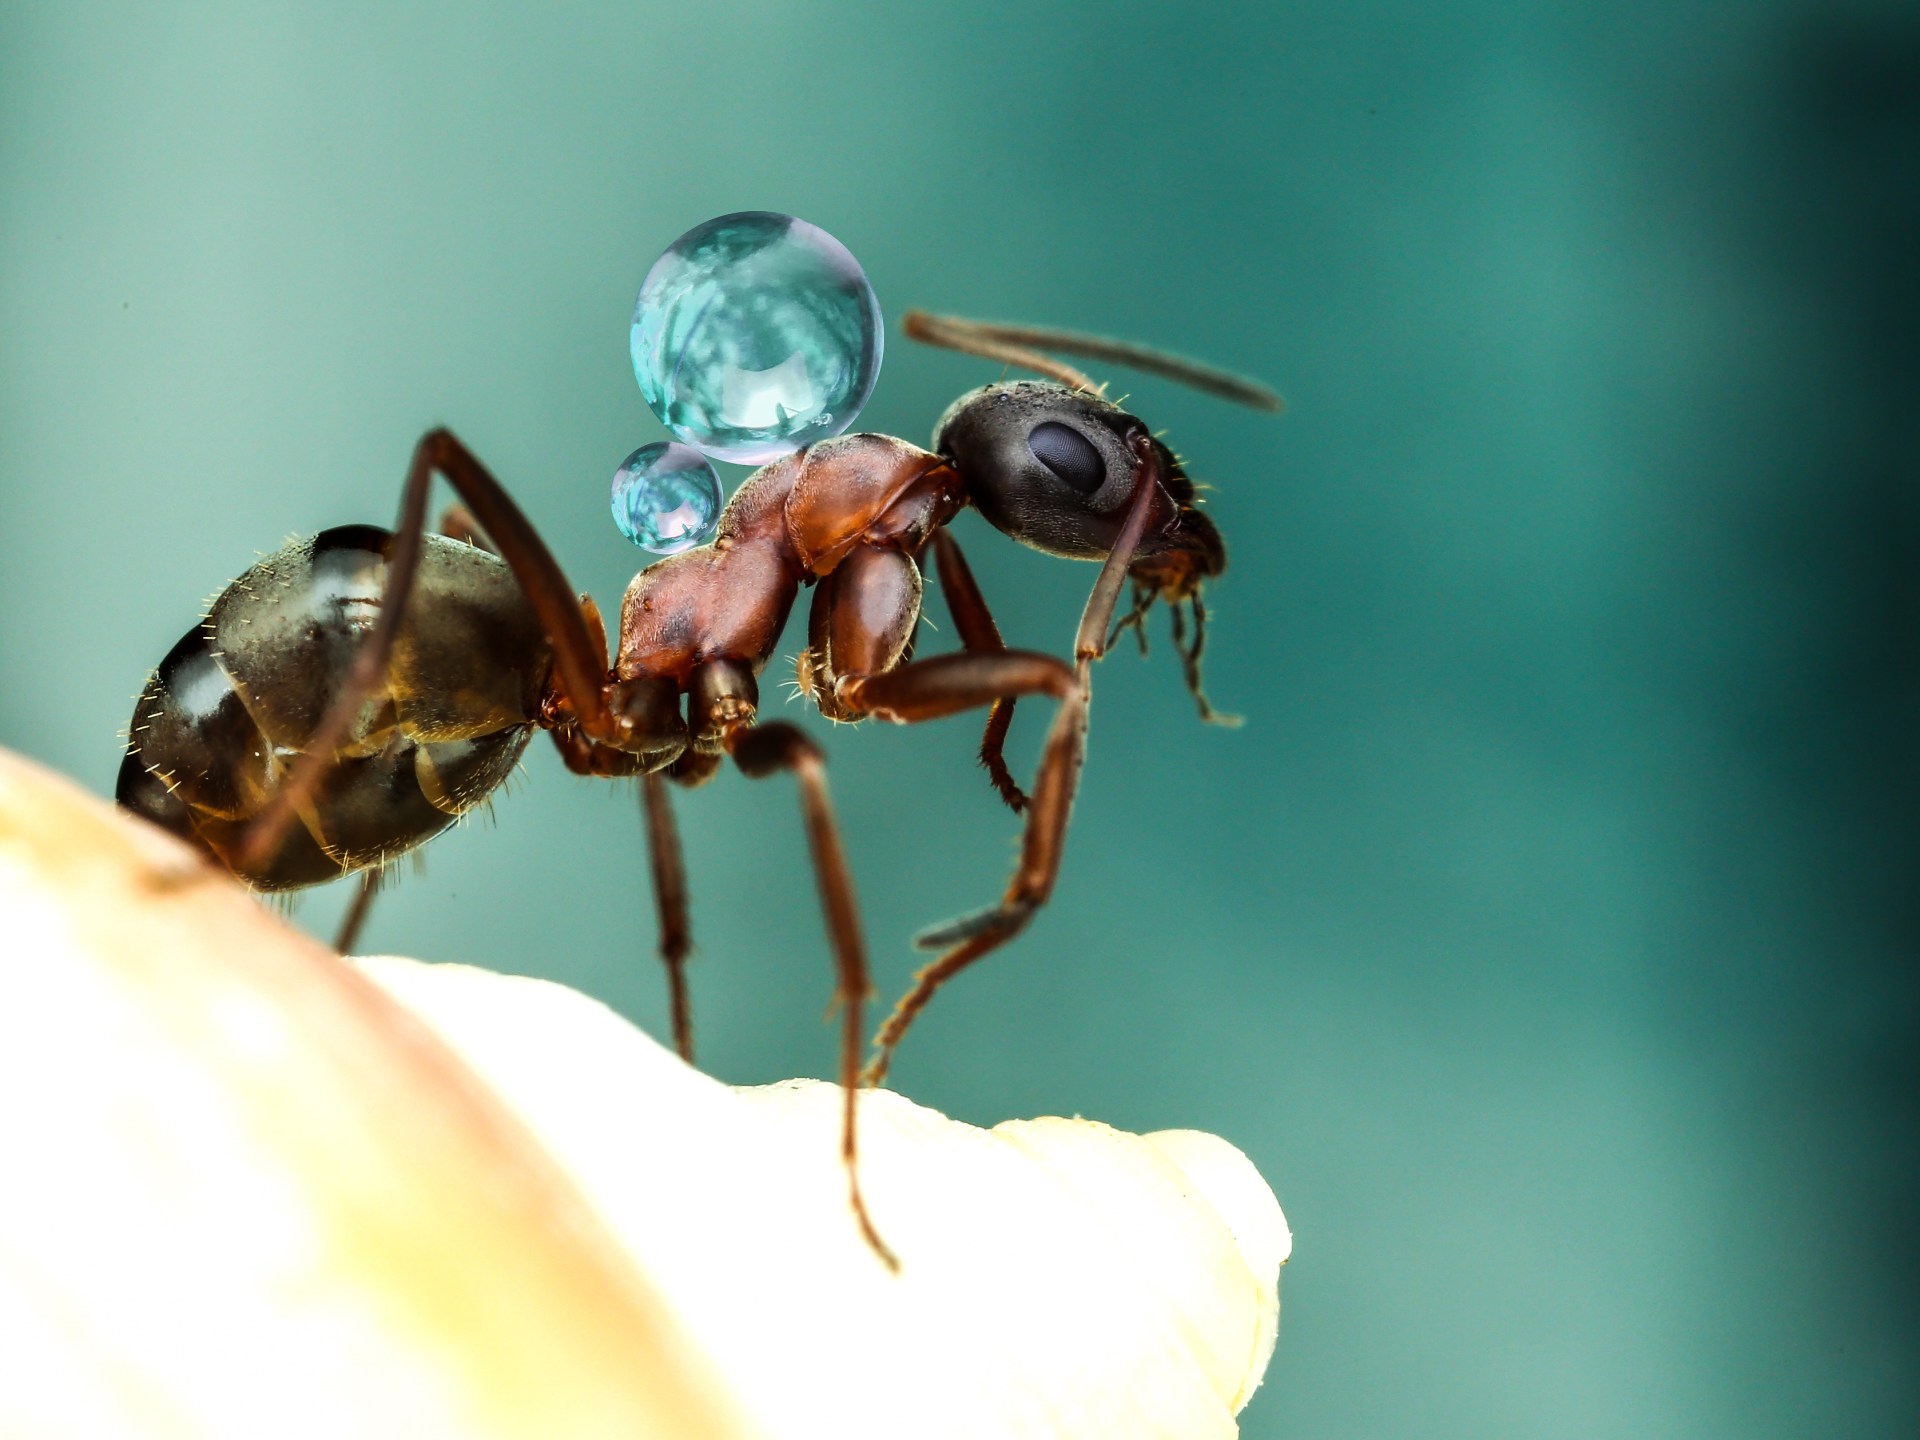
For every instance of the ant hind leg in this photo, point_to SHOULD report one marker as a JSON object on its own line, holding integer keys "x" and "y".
{"x": 355, "y": 920}
{"x": 581, "y": 676}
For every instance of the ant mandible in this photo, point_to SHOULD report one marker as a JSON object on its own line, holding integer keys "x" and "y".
{"x": 376, "y": 685}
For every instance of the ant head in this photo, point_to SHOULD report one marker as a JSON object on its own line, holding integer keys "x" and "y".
{"x": 1057, "y": 469}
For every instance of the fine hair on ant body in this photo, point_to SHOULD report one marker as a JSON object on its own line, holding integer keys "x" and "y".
{"x": 352, "y": 694}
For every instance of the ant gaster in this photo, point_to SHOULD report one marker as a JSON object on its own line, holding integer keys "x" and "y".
{"x": 351, "y": 695}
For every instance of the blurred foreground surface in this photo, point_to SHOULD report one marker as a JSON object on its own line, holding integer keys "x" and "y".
{"x": 256, "y": 1189}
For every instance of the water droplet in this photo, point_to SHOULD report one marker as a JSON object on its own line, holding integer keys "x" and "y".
{"x": 756, "y": 334}
{"x": 666, "y": 498}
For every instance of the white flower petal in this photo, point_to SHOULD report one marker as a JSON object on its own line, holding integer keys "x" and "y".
{"x": 1059, "y": 1277}
{"x": 248, "y": 1194}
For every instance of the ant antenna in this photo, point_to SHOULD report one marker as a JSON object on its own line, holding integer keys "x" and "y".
{"x": 991, "y": 342}
{"x": 1026, "y": 347}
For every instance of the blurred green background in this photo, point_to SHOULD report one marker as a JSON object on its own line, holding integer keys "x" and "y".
{"x": 1548, "y": 934}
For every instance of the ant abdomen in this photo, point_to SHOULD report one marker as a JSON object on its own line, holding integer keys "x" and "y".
{"x": 235, "y": 702}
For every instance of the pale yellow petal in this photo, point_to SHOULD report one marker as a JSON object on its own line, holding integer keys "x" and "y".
{"x": 247, "y": 1195}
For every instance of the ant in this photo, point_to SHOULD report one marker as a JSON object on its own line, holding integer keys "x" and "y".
{"x": 375, "y": 685}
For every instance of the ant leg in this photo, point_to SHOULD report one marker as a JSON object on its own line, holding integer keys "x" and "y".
{"x": 670, "y": 903}
{"x": 722, "y": 702}
{"x": 972, "y": 936}
{"x": 760, "y": 750}
{"x": 993, "y": 747}
{"x": 356, "y": 916}
{"x": 978, "y": 633}
{"x": 864, "y": 612}
{"x": 584, "y": 757}
{"x": 533, "y": 566}
{"x": 1090, "y": 641}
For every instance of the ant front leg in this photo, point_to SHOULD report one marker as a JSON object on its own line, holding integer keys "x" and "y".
{"x": 930, "y": 688}
{"x": 864, "y": 613}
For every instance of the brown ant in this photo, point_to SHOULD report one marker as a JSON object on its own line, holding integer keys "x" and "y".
{"x": 315, "y": 692}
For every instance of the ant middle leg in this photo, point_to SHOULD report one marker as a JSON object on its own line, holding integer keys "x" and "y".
{"x": 669, "y": 869}
{"x": 723, "y": 702}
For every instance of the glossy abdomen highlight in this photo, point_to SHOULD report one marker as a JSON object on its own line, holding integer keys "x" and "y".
{"x": 233, "y": 704}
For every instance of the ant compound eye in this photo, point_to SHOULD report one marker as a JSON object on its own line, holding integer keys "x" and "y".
{"x": 1068, "y": 454}
{"x": 1052, "y": 467}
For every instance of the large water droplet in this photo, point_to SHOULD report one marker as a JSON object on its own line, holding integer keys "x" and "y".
{"x": 666, "y": 498}
{"x": 755, "y": 334}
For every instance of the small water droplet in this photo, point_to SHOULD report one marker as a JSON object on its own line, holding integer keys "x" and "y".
{"x": 756, "y": 334}
{"x": 666, "y": 498}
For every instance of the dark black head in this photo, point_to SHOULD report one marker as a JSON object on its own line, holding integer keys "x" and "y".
{"x": 1056, "y": 469}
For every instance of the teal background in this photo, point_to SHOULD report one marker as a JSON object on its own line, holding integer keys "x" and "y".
{"x": 1548, "y": 934}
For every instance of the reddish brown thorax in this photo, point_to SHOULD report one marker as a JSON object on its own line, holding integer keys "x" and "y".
{"x": 793, "y": 521}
